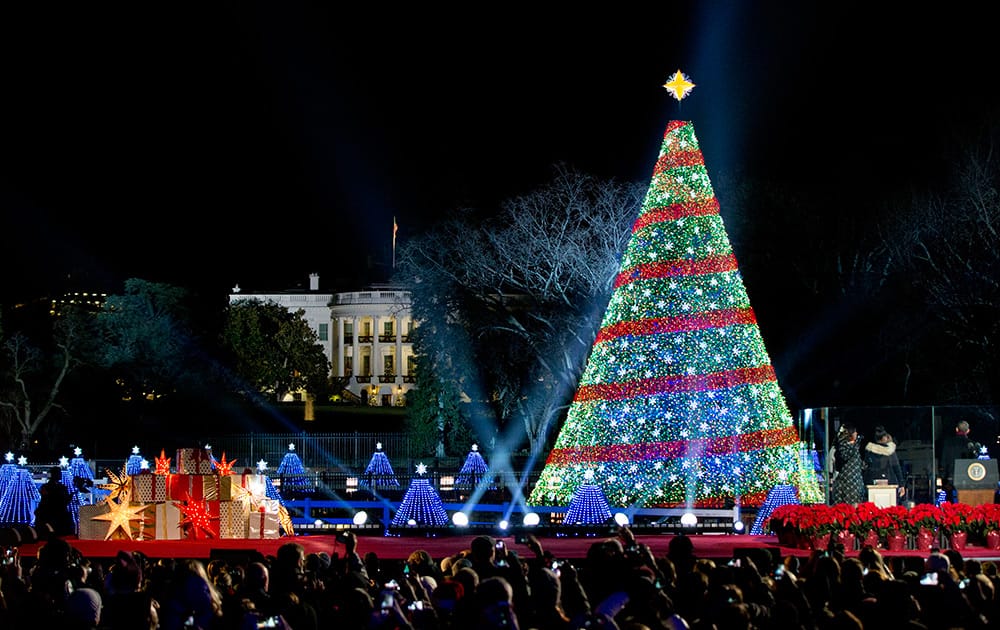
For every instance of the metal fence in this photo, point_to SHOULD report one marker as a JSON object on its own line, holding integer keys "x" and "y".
{"x": 318, "y": 451}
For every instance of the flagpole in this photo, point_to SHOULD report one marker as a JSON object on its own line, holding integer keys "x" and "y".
{"x": 395, "y": 227}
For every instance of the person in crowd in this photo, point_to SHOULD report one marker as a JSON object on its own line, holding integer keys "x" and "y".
{"x": 848, "y": 482}
{"x": 53, "y": 508}
{"x": 882, "y": 462}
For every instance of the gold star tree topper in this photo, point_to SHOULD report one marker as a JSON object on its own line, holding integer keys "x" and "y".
{"x": 679, "y": 85}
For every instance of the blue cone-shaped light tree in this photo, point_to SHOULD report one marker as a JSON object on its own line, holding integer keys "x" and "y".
{"x": 474, "y": 468}
{"x": 7, "y": 472}
{"x": 589, "y": 505}
{"x": 80, "y": 469}
{"x": 19, "y": 500}
{"x": 422, "y": 505}
{"x": 379, "y": 473}
{"x": 292, "y": 474}
{"x": 134, "y": 462}
{"x": 270, "y": 491}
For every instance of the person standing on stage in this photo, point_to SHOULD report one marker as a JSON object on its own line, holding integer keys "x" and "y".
{"x": 881, "y": 461}
{"x": 957, "y": 446}
{"x": 848, "y": 482}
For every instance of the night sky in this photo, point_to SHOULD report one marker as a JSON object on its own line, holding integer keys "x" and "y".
{"x": 256, "y": 144}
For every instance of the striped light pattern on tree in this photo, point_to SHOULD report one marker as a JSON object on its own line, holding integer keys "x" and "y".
{"x": 679, "y": 404}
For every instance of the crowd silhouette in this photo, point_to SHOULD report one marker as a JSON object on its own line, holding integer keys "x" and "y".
{"x": 618, "y": 584}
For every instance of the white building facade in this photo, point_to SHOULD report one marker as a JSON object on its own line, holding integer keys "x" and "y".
{"x": 366, "y": 335}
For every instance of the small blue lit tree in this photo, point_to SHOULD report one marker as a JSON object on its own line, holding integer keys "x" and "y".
{"x": 474, "y": 468}
{"x": 292, "y": 474}
{"x": 422, "y": 505}
{"x": 7, "y": 472}
{"x": 134, "y": 462}
{"x": 19, "y": 500}
{"x": 269, "y": 490}
{"x": 589, "y": 505}
{"x": 778, "y": 496}
{"x": 379, "y": 473}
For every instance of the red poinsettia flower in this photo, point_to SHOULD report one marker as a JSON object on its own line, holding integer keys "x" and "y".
{"x": 863, "y": 519}
{"x": 956, "y": 517}
{"x": 986, "y": 517}
{"x": 923, "y": 515}
{"x": 890, "y": 520}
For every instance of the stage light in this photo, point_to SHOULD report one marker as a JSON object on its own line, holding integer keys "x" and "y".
{"x": 318, "y": 523}
{"x": 621, "y": 518}
{"x": 738, "y": 527}
{"x": 411, "y": 522}
{"x": 503, "y": 524}
{"x": 688, "y": 519}
{"x": 460, "y": 519}
{"x": 531, "y": 519}
{"x": 360, "y": 518}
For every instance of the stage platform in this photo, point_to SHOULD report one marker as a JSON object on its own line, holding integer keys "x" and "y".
{"x": 715, "y": 546}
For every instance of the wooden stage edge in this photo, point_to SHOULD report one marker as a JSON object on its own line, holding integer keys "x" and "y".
{"x": 714, "y": 546}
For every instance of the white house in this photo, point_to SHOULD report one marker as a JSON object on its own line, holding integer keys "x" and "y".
{"x": 364, "y": 334}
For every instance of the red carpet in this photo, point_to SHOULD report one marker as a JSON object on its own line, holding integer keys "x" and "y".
{"x": 714, "y": 546}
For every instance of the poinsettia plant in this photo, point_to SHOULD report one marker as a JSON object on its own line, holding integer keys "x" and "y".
{"x": 956, "y": 517}
{"x": 890, "y": 520}
{"x": 843, "y": 515}
{"x": 923, "y": 515}
{"x": 863, "y": 519}
{"x": 809, "y": 520}
{"x": 986, "y": 518}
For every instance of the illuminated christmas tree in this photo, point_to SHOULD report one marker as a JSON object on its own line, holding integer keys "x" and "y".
{"x": 83, "y": 478}
{"x": 134, "y": 462}
{"x": 291, "y": 472}
{"x": 473, "y": 470}
{"x": 421, "y": 505}
{"x": 678, "y": 404}
{"x": 379, "y": 473}
{"x": 589, "y": 506}
{"x": 7, "y": 471}
{"x": 20, "y": 498}
{"x": 75, "y": 497}
{"x": 270, "y": 491}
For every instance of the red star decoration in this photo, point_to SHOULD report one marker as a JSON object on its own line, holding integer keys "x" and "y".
{"x": 223, "y": 467}
{"x": 197, "y": 520}
{"x": 162, "y": 464}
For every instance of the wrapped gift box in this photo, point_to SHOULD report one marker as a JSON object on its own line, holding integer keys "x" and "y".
{"x": 263, "y": 525}
{"x": 149, "y": 487}
{"x": 193, "y": 487}
{"x": 234, "y": 519}
{"x": 90, "y": 529}
{"x": 211, "y": 524}
{"x": 161, "y": 521}
{"x": 252, "y": 483}
{"x": 194, "y": 461}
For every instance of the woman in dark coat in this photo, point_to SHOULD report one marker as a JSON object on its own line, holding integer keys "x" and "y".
{"x": 848, "y": 484}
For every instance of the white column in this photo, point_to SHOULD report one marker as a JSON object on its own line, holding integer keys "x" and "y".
{"x": 339, "y": 366}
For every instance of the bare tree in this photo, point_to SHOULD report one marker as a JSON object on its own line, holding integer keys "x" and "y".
{"x": 949, "y": 243}
{"x": 33, "y": 377}
{"x": 517, "y": 297}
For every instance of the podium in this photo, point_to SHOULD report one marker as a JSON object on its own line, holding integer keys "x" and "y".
{"x": 882, "y": 495}
{"x": 976, "y": 480}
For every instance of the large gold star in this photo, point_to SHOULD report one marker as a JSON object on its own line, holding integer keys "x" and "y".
{"x": 679, "y": 85}
{"x": 119, "y": 485}
{"x": 120, "y": 516}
